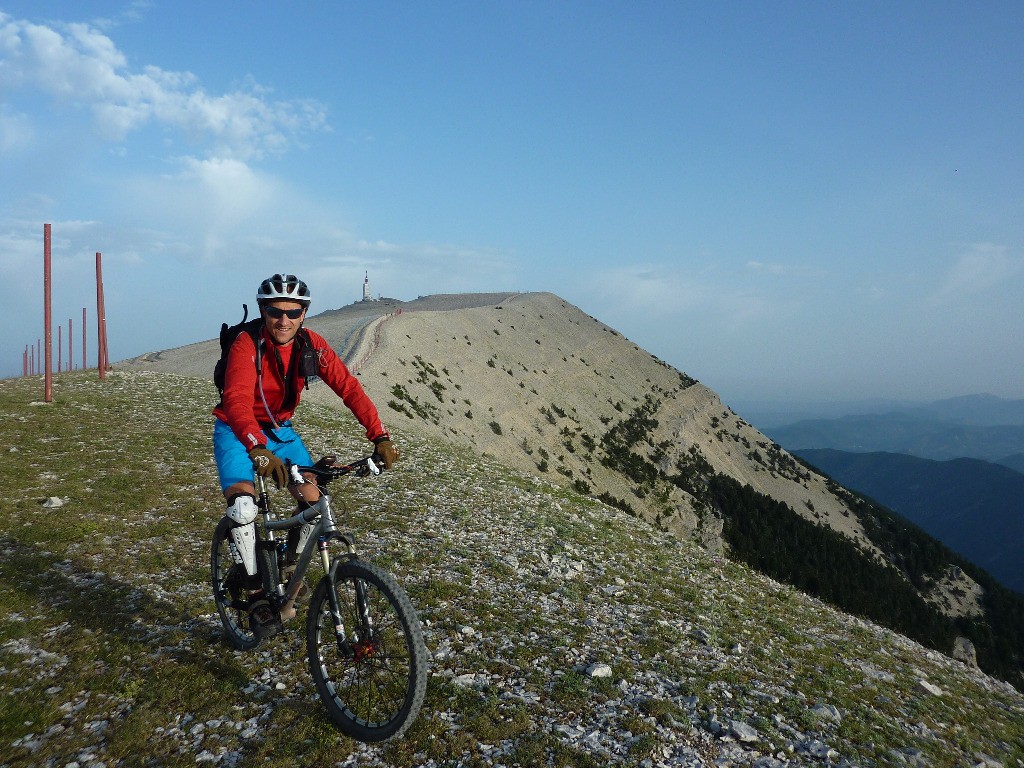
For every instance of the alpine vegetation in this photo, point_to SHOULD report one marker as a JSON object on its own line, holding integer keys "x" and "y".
{"x": 562, "y": 630}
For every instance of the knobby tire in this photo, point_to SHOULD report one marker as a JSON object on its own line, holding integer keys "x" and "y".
{"x": 373, "y": 689}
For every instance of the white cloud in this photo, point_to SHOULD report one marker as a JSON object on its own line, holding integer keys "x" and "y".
{"x": 979, "y": 270}
{"x": 782, "y": 270}
{"x": 15, "y": 131}
{"x": 80, "y": 66}
{"x": 212, "y": 209}
{"x": 663, "y": 292}
{"x": 132, "y": 12}
{"x": 231, "y": 187}
{"x": 377, "y": 246}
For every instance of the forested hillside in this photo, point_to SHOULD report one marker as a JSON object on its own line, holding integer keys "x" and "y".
{"x": 976, "y": 508}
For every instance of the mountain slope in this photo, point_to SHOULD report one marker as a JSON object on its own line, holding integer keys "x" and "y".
{"x": 110, "y": 650}
{"x": 974, "y": 507}
{"x": 539, "y": 384}
{"x": 550, "y": 391}
{"x": 1015, "y": 462}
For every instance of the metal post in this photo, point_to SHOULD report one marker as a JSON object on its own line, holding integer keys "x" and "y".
{"x": 100, "y": 314}
{"x": 47, "y": 330}
{"x": 85, "y": 362}
{"x": 60, "y": 348}
{"x": 24, "y": 362}
{"x": 71, "y": 348}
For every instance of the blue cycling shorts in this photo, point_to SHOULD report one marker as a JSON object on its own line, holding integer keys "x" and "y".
{"x": 233, "y": 462}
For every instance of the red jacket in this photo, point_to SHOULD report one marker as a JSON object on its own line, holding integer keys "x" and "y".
{"x": 242, "y": 407}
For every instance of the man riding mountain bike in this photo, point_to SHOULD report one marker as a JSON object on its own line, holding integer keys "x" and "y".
{"x": 268, "y": 365}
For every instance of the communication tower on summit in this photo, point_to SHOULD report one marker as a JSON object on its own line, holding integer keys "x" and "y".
{"x": 366, "y": 287}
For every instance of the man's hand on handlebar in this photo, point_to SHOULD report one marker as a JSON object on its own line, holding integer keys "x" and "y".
{"x": 267, "y": 466}
{"x": 384, "y": 452}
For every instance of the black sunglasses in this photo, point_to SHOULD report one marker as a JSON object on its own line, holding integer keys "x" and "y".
{"x": 277, "y": 313}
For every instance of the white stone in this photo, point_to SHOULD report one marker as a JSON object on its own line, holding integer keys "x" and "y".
{"x": 743, "y": 732}
{"x": 819, "y": 749}
{"x": 570, "y": 731}
{"x": 827, "y": 712}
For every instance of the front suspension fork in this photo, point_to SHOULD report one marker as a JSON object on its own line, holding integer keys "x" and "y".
{"x": 345, "y": 648}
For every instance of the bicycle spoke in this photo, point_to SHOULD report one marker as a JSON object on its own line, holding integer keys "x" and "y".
{"x": 375, "y": 691}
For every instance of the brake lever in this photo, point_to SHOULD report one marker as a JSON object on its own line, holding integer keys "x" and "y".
{"x": 370, "y": 468}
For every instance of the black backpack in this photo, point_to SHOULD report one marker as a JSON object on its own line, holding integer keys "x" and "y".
{"x": 309, "y": 364}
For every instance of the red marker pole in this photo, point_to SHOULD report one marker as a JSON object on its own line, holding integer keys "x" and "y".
{"x": 85, "y": 362}
{"x": 100, "y": 315}
{"x": 47, "y": 331}
{"x": 71, "y": 348}
{"x": 60, "y": 348}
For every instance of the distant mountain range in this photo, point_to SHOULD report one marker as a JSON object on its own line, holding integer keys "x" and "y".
{"x": 974, "y": 507}
{"x": 954, "y": 467}
{"x": 978, "y": 410}
{"x": 979, "y": 426}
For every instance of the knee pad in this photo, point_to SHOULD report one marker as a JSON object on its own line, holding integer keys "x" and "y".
{"x": 242, "y": 509}
{"x": 297, "y": 538}
{"x": 242, "y": 512}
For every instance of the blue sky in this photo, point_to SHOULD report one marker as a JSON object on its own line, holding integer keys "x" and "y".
{"x": 787, "y": 200}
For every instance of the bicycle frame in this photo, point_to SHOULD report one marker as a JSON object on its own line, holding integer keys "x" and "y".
{"x": 372, "y": 677}
{"x": 325, "y": 528}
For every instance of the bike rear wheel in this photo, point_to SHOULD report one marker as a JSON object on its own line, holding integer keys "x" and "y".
{"x": 229, "y": 590}
{"x": 374, "y": 682}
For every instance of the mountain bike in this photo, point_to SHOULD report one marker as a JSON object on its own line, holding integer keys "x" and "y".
{"x": 363, "y": 638}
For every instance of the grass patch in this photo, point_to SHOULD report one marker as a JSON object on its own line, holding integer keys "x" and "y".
{"x": 108, "y": 641}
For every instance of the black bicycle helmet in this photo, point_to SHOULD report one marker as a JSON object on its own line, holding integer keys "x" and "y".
{"x": 283, "y": 288}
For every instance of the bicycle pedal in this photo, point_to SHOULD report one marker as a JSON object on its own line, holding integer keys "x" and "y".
{"x": 263, "y": 620}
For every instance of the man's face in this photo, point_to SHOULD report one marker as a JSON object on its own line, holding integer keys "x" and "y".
{"x": 282, "y": 329}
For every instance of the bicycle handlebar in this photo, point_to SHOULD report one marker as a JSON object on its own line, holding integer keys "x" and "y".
{"x": 327, "y": 470}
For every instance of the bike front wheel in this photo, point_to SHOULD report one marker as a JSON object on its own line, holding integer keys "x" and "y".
{"x": 229, "y": 590}
{"x": 373, "y": 679}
